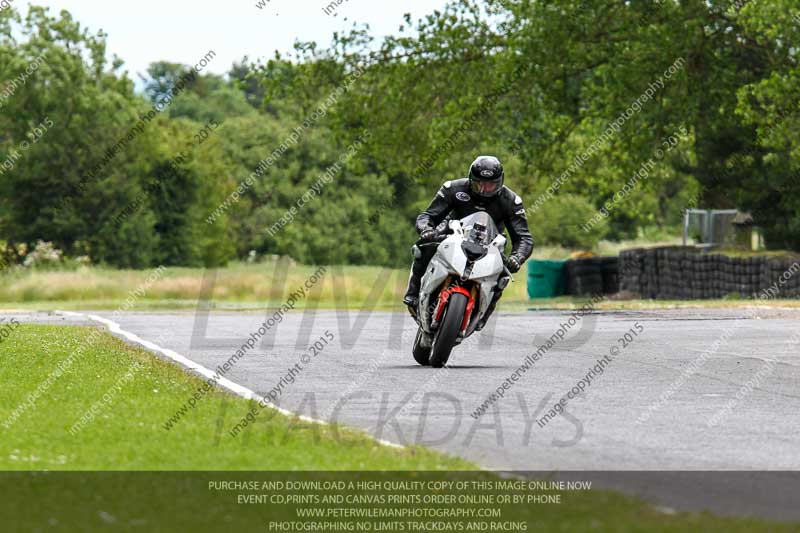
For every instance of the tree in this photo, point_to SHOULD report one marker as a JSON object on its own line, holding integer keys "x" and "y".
{"x": 86, "y": 149}
{"x": 581, "y": 65}
{"x": 64, "y": 184}
{"x": 772, "y": 105}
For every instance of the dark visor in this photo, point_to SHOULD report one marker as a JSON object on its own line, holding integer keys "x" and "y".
{"x": 486, "y": 187}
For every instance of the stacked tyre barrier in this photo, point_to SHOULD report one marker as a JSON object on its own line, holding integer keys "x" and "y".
{"x": 592, "y": 276}
{"x": 686, "y": 273}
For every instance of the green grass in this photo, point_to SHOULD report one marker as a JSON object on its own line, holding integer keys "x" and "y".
{"x": 253, "y": 287}
{"x": 127, "y": 435}
{"x": 604, "y": 248}
{"x": 265, "y": 284}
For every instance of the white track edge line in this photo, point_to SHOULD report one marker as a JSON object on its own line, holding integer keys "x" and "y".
{"x": 239, "y": 390}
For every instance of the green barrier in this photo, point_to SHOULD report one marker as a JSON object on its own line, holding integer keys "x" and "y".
{"x": 546, "y": 279}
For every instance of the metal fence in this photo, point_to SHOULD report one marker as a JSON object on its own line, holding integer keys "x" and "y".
{"x": 709, "y": 227}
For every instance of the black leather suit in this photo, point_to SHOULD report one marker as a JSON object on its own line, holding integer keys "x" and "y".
{"x": 455, "y": 201}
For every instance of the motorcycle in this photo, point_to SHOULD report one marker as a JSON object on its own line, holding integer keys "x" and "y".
{"x": 458, "y": 286}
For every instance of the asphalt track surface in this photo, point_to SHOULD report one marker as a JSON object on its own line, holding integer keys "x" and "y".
{"x": 642, "y": 427}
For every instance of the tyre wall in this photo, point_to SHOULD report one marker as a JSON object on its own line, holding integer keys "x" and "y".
{"x": 592, "y": 276}
{"x": 685, "y": 273}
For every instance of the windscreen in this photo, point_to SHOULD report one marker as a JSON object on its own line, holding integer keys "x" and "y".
{"x": 479, "y": 228}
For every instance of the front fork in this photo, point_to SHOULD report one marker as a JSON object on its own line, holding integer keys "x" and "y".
{"x": 444, "y": 298}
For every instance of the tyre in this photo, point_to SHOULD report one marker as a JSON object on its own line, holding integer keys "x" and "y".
{"x": 422, "y": 355}
{"x": 448, "y": 331}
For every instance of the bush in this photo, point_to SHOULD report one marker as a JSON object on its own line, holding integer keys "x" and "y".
{"x": 44, "y": 255}
{"x": 570, "y": 221}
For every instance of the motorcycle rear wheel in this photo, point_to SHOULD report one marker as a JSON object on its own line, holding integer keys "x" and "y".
{"x": 448, "y": 331}
{"x": 422, "y": 355}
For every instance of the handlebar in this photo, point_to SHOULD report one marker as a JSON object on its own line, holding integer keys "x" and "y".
{"x": 505, "y": 268}
{"x": 436, "y": 240}
{"x": 441, "y": 238}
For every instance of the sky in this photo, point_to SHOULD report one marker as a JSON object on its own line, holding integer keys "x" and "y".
{"x": 182, "y": 31}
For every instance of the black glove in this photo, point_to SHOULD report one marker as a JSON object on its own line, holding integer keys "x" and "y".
{"x": 428, "y": 234}
{"x": 513, "y": 264}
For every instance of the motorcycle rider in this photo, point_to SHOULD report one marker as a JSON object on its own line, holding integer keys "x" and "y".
{"x": 481, "y": 190}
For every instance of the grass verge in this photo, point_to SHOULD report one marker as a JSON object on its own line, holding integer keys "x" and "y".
{"x": 265, "y": 285}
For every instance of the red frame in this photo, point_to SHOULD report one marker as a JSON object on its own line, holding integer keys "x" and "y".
{"x": 444, "y": 297}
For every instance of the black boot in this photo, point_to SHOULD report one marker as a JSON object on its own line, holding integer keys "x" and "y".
{"x": 422, "y": 256}
{"x": 411, "y": 299}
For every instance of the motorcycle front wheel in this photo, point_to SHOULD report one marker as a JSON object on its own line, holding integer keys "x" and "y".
{"x": 448, "y": 331}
